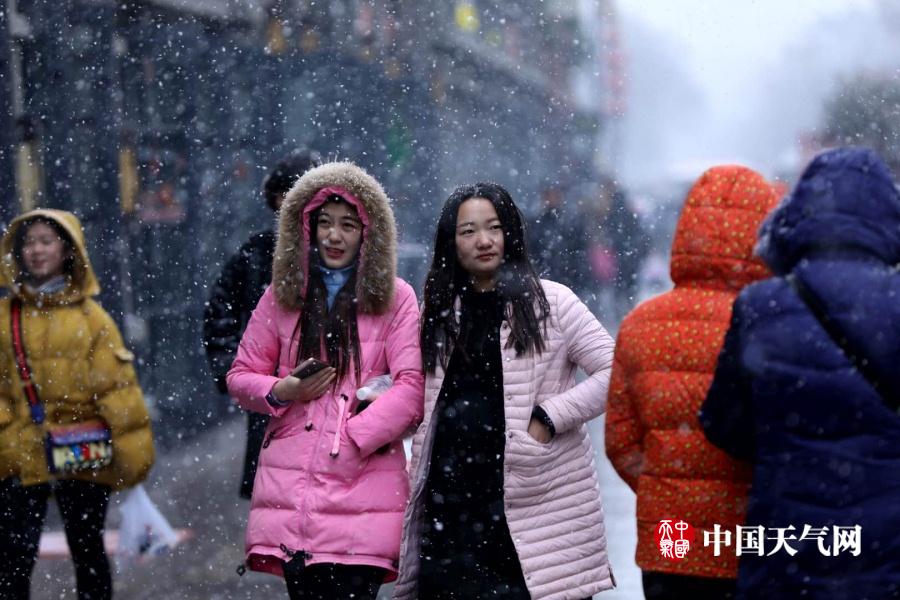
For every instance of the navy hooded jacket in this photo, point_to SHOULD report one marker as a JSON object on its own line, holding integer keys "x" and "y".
{"x": 824, "y": 443}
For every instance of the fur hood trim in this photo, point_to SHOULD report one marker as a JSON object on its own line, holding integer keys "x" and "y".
{"x": 377, "y": 266}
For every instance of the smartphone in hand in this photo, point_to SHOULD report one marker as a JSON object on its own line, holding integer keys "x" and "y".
{"x": 308, "y": 368}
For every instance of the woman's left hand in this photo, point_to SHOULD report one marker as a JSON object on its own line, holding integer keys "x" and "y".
{"x": 539, "y": 432}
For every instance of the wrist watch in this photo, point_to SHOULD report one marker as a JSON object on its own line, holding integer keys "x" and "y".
{"x": 273, "y": 400}
{"x": 541, "y": 415}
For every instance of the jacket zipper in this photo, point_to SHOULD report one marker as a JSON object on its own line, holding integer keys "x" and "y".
{"x": 306, "y": 475}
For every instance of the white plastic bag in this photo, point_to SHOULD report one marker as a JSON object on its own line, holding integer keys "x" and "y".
{"x": 144, "y": 531}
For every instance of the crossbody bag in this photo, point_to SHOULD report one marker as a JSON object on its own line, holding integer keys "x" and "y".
{"x": 72, "y": 448}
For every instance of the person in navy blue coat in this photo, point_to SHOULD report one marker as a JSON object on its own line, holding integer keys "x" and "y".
{"x": 786, "y": 396}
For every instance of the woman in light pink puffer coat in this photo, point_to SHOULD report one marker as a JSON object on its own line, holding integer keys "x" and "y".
{"x": 505, "y": 498}
{"x": 331, "y": 486}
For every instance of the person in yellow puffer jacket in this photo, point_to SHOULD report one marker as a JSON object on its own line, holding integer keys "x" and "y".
{"x": 82, "y": 374}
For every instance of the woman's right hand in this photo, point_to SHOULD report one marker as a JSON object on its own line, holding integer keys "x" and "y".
{"x": 294, "y": 389}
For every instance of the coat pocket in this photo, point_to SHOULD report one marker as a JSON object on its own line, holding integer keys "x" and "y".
{"x": 280, "y": 433}
{"x": 279, "y": 430}
{"x": 342, "y": 460}
{"x": 529, "y": 456}
{"x": 524, "y": 451}
{"x": 538, "y": 473}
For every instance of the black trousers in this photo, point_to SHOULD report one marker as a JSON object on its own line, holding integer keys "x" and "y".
{"x": 668, "y": 586}
{"x": 330, "y": 581}
{"x": 83, "y": 507}
{"x": 256, "y": 431}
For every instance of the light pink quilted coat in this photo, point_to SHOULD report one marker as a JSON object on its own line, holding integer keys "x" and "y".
{"x": 321, "y": 488}
{"x": 552, "y": 494}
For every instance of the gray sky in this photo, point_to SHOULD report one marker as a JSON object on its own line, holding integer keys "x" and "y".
{"x": 719, "y": 35}
{"x": 730, "y": 54}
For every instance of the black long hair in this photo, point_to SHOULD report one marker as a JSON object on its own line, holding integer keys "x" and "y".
{"x": 525, "y": 304}
{"x": 333, "y": 331}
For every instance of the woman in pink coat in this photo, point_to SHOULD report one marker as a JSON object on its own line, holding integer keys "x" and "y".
{"x": 331, "y": 488}
{"x": 505, "y": 498}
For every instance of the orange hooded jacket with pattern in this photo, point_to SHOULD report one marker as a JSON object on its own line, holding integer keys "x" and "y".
{"x": 665, "y": 358}
{"x": 79, "y": 364}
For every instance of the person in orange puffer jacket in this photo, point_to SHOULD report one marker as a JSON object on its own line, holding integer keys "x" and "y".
{"x": 665, "y": 358}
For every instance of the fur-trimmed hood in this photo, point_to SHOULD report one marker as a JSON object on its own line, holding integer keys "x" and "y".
{"x": 377, "y": 267}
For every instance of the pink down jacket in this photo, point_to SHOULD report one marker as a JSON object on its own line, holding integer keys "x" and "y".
{"x": 321, "y": 488}
{"x": 552, "y": 492}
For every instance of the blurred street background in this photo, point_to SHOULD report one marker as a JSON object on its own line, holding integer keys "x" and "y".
{"x": 155, "y": 121}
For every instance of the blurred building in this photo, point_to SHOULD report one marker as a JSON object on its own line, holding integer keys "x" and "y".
{"x": 155, "y": 122}
{"x": 7, "y": 123}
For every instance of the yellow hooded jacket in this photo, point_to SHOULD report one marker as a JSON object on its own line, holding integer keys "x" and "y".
{"x": 80, "y": 366}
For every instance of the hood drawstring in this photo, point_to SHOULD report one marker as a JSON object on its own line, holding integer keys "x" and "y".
{"x": 309, "y": 416}
{"x": 309, "y": 421}
{"x": 336, "y": 445}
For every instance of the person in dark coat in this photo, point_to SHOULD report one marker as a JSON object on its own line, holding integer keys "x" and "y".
{"x": 630, "y": 245}
{"x": 788, "y": 397}
{"x": 242, "y": 282}
{"x": 557, "y": 241}
{"x": 616, "y": 245}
